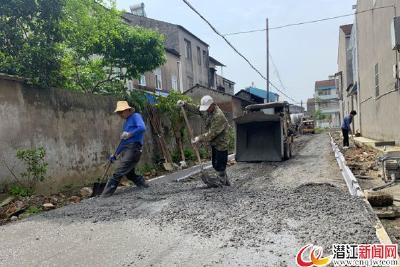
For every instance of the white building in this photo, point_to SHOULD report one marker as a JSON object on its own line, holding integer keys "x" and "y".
{"x": 327, "y": 104}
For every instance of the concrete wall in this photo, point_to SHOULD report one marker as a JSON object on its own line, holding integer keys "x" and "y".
{"x": 379, "y": 113}
{"x": 193, "y": 72}
{"x": 348, "y": 101}
{"x": 226, "y": 85}
{"x": 169, "y": 69}
{"x": 230, "y": 105}
{"x": 169, "y": 30}
{"x": 77, "y": 130}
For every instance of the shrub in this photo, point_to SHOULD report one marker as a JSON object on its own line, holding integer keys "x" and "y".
{"x": 204, "y": 154}
{"x": 33, "y": 210}
{"x": 176, "y": 156}
{"x": 20, "y": 191}
{"x": 145, "y": 168}
{"x": 36, "y": 166}
{"x": 189, "y": 154}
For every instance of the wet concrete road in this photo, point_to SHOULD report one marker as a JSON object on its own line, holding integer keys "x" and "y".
{"x": 271, "y": 211}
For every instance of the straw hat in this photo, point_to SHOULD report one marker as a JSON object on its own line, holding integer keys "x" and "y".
{"x": 122, "y": 105}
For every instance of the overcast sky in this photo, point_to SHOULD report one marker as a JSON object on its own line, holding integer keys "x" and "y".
{"x": 302, "y": 54}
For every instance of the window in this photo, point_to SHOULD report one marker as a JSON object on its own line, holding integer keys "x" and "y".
{"x": 376, "y": 80}
{"x": 204, "y": 58}
{"x": 130, "y": 85}
{"x": 188, "y": 49}
{"x": 142, "y": 80}
{"x": 325, "y": 92}
{"x": 158, "y": 83}
{"x": 199, "y": 55}
{"x": 174, "y": 82}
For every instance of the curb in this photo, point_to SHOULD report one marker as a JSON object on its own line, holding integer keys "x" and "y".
{"x": 197, "y": 169}
{"x": 350, "y": 179}
{"x": 355, "y": 190}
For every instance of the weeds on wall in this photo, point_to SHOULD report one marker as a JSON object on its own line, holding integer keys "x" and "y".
{"x": 35, "y": 169}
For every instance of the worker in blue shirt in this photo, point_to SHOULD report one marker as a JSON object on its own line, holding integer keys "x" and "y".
{"x": 129, "y": 150}
{"x": 346, "y": 127}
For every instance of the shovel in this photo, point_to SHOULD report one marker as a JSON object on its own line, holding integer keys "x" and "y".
{"x": 98, "y": 187}
{"x": 196, "y": 150}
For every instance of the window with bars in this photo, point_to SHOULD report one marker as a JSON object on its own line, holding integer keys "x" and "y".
{"x": 376, "y": 79}
{"x": 199, "y": 56}
{"x": 188, "y": 49}
{"x": 142, "y": 80}
{"x": 204, "y": 58}
{"x": 174, "y": 82}
{"x": 158, "y": 78}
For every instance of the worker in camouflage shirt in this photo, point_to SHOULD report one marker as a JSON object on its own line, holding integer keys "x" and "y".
{"x": 216, "y": 136}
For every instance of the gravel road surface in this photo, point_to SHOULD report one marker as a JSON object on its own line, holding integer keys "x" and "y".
{"x": 263, "y": 219}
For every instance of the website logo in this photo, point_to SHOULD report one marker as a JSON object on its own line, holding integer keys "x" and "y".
{"x": 349, "y": 255}
{"x": 311, "y": 255}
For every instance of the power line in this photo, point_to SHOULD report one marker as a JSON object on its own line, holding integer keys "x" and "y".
{"x": 279, "y": 76}
{"x": 234, "y": 48}
{"x": 306, "y": 22}
{"x": 277, "y": 72}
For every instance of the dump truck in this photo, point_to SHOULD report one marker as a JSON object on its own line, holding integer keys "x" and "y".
{"x": 264, "y": 133}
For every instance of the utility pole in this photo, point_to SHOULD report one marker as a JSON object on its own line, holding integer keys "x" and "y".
{"x": 267, "y": 41}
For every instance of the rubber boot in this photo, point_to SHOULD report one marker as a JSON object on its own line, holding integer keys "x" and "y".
{"x": 223, "y": 177}
{"x": 227, "y": 182}
{"x": 214, "y": 181}
{"x": 139, "y": 181}
{"x": 110, "y": 188}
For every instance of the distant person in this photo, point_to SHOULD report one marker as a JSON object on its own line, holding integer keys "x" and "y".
{"x": 217, "y": 136}
{"x": 129, "y": 150}
{"x": 346, "y": 128}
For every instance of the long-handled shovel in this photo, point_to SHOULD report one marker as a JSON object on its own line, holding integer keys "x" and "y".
{"x": 99, "y": 186}
{"x": 196, "y": 150}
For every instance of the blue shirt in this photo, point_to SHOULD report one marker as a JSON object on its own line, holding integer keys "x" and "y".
{"x": 346, "y": 122}
{"x": 134, "y": 125}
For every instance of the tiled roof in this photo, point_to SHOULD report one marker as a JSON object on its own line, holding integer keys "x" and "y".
{"x": 325, "y": 83}
{"x": 347, "y": 28}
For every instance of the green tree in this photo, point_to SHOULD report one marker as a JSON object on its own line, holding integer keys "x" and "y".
{"x": 30, "y": 40}
{"x": 76, "y": 44}
{"x": 102, "y": 51}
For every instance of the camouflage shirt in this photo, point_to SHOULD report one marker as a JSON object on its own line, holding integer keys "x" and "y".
{"x": 217, "y": 125}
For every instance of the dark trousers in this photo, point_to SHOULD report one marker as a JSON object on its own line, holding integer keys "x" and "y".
{"x": 129, "y": 159}
{"x": 219, "y": 159}
{"x": 345, "y": 137}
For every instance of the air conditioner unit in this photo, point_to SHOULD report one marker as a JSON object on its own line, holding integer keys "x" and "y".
{"x": 395, "y": 29}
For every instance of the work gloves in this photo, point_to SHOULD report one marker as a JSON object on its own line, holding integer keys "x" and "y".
{"x": 180, "y": 103}
{"x": 112, "y": 158}
{"x": 195, "y": 140}
{"x": 125, "y": 135}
